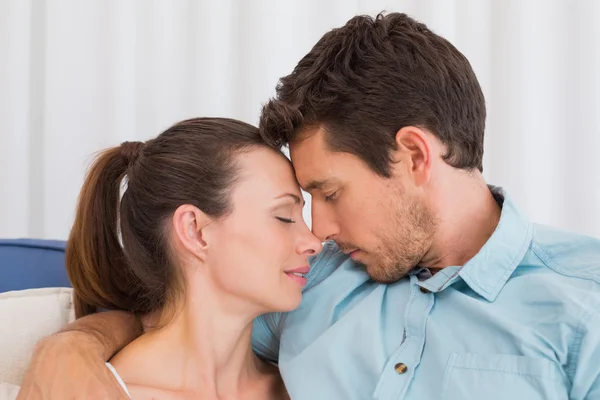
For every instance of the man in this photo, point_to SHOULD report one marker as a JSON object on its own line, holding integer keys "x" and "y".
{"x": 437, "y": 286}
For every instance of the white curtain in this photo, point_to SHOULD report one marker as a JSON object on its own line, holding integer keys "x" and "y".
{"x": 77, "y": 76}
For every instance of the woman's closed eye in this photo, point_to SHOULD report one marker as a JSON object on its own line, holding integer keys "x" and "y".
{"x": 286, "y": 220}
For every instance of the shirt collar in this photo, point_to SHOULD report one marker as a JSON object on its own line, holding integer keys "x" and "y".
{"x": 488, "y": 271}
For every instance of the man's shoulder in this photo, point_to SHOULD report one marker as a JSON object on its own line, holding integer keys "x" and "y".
{"x": 325, "y": 263}
{"x": 567, "y": 253}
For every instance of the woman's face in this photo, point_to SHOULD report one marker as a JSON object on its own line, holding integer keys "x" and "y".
{"x": 260, "y": 251}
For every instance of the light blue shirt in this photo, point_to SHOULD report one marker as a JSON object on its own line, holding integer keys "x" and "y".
{"x": 521, "y": 320}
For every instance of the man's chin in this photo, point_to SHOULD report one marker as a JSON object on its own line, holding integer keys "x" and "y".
{"x": 380, "y": 275}
{"x": 374, "y": 269}
{"x": 376, "y": 273}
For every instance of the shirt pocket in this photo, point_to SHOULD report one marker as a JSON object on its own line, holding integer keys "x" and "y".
{"x": 502, "y": 377}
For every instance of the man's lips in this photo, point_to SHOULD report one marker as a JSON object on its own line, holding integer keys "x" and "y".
{"x": 354, "y": 254}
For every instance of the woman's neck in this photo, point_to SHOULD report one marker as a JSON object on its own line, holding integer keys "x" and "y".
{"x": 205, "y": 348}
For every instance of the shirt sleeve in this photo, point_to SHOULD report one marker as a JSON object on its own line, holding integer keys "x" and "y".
{"x": 266, "y": 329}
{"x": 265, "y": 336}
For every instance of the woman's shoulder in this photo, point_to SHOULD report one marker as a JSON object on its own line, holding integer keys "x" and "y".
{"x": 141, "y": 392}
{"x": 118, "y": 378}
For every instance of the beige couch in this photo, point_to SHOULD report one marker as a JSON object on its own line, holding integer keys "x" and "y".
{"x": 26, "y": 316}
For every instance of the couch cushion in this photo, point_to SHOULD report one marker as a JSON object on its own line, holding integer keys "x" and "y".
{"x": 31, "y": 263}
{"x": 8, "y": 392}
{"x": 26, "y": 317}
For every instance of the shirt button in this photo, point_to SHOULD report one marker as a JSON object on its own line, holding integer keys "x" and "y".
{"x": 400, "y": 368}
{"x": 423, "y": 290}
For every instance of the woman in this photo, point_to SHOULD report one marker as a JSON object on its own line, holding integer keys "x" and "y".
{"x": 197, "y": 231}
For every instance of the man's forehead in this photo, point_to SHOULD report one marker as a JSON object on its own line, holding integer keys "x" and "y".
{"x": 309, "y": 168}
{"x": 309, "y": 137}
{"x": 313, "y": 162}
{"x": 314, "y": 176}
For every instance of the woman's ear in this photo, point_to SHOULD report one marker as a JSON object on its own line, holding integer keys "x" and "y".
{"x": 188, "y": 229}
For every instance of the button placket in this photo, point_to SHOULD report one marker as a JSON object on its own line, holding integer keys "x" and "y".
{"x": 402, "y": 364}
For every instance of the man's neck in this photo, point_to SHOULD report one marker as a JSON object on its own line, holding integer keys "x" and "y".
{"x": 468, "y": 215}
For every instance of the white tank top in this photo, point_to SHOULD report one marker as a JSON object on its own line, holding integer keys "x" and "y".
{"x": 114, "y": 371}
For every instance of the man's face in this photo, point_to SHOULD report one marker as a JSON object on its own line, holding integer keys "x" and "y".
{"x": 381, "y": 222}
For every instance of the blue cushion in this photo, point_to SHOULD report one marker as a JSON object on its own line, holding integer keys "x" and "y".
{"x": 32, "y": 263}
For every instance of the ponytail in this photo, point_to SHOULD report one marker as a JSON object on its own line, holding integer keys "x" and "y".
{"x": 95, "y": 261}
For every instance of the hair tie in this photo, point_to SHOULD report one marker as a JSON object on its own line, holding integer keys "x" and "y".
{"x": 131, "y": 151}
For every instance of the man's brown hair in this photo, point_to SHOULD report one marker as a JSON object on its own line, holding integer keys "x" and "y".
{"x": 364, "y": 81}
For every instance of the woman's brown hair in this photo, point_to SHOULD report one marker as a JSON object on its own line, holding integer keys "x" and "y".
{"x": 118, "y": 255}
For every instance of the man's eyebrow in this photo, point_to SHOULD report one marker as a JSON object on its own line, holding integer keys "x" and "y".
{"x": 312, "y": 185}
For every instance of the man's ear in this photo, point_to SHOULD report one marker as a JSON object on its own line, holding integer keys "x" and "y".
{"x": 413, "y": 154}
{"x": 188, "y": 230}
